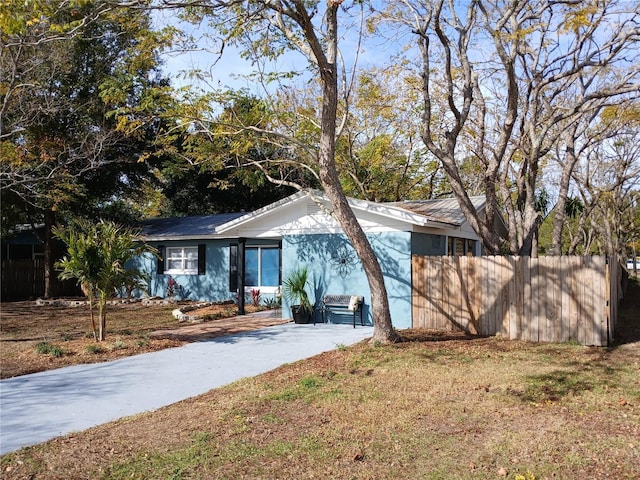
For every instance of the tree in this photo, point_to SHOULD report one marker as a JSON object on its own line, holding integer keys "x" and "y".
{"x": 198, "y": 178}
{"x": 379, "y": 155}
{"x": 69, "y": 70}
{"x": 607, "y": 178}
{"x": 269, "y": 28}
{"x": 502, "y": 81}
{"x": 97, "y": 254}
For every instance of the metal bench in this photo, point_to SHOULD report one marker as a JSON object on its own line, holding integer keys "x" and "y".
{"x": 342, "y": 304}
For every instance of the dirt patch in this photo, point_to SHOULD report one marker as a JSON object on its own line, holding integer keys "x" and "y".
{"x": 63, "y": 336}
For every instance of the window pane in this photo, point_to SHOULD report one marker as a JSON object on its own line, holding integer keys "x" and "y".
{"x": 182, "y": 259}
{"x": 471, "y": 247}
{"x": 270, "y": 267}
{"x": 191, "y": 264}
{"x": 251, "y": 267}
{"x": 174, "y": 253}
{"x": 191, "y": 259}
{"x": 459, "y": 248}
{"x": 174, "y": 264}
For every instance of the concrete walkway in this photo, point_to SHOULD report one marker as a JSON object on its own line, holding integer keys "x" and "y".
{"x": 37, "y": 407}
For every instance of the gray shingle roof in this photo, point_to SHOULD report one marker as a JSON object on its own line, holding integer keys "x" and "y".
{"x": 185, "y": 227}
{"x": 444, "y": 210}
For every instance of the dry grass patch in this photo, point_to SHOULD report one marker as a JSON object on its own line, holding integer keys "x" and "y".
{"x": 433, "y": 407}
{"x": 466, "y": 409}
{"x": 26, "y": 330}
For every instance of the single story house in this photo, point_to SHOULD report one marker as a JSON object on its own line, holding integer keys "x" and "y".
{"x": 203, "y": 254}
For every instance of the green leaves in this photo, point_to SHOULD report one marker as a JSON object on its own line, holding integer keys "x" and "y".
{"x": 97, "y": 253}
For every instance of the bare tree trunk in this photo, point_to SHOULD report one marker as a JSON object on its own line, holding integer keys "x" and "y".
{"x": 49, "y": 272}
{"x": 383, "y": 329}
{"x": 86, "y": 289}
{"x": 563, "y": 193}
{"x": 102, "y": 317}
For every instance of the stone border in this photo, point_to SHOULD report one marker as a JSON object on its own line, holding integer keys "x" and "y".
{"x": 67, "y": 302}
{"x": 179, "y": 314}
{"x": 61, "y": 302}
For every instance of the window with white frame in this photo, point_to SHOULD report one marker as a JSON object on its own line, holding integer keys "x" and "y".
{"x": 181, "y": 260}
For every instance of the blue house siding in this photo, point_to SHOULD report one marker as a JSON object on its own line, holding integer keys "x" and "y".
{"x": 212, "y": 286}
{"x": 334, "y": 268}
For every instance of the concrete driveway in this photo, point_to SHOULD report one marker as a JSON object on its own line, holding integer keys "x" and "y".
{"x": 37, "y": 407}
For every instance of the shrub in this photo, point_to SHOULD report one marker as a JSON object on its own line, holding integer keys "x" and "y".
{"x": 255, "y": 297}
{"x": 94, "y": 349}
{"x": 45, "y": 348}
{"x": 272, "y": 302}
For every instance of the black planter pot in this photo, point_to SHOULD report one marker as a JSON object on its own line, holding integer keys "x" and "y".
{"x": 300, "y": 315}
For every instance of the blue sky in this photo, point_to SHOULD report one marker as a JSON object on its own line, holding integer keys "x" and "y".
{"x": 230, "y": 69}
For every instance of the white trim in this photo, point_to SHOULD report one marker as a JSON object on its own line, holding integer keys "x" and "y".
{"x": 183, "y": 258}
{"x": 402, "y": 217}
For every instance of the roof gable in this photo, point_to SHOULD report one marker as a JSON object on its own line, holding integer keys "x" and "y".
{"x": 309, "y": 212}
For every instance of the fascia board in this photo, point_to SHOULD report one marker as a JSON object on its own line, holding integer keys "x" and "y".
{"x": 179, "y": 238}
{"x": 394, "y": 213}
{"x": 261, "y": 212}
{"x": 397, "y": 213}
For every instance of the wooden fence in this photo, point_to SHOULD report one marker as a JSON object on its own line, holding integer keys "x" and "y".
{"x": 24, "y": 280}
{"x": 546, "y": 299}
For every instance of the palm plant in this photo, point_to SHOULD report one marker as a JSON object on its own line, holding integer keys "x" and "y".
{"x": 96, "y": 258}
{"x": 295, "y": 292}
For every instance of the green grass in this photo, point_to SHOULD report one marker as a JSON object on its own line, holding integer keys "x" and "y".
{"x": 46, "y": 348}
{"x": 94, "y": 349}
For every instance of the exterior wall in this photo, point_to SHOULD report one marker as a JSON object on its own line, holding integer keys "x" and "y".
{"x": 213, "y": 286}
{"x": 320, "y": 252}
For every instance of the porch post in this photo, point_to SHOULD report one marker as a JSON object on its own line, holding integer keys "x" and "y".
{"x": 241, "y": 257}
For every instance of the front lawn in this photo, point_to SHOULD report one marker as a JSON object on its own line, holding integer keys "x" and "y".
{"x": 432, "y": 407}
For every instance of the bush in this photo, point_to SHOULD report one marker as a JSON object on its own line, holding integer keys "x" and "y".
{"x": 45, "y": 348}
{"x": 94, "y": 349}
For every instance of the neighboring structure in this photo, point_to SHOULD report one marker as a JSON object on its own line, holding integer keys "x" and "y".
{"x": 203, "y": 254}
{"x": 22, "y": 275}
{"x": 23, "y": 244}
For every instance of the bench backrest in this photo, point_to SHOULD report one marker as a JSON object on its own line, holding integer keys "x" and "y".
{"x": 340, "y": 300}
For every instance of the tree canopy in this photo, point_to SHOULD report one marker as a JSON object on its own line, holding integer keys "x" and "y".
{"x": 502, "y": 81}
{"x": 71, "y": 72}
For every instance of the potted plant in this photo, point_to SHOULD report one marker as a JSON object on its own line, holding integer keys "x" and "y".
{"x": 294, "y": 291}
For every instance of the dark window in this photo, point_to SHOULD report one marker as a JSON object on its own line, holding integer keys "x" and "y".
{"x": 233, "y": 267}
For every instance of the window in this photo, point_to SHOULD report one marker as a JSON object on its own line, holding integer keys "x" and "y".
{"x": 188, "y": 260}
{"x": 262, "y": 266}
{"x": 460, "y": 246}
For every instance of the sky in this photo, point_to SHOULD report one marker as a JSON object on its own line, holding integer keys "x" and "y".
{"x": 230, "y": 70}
